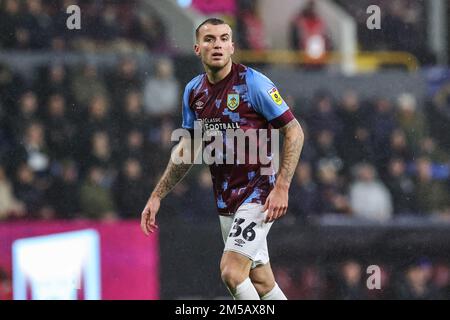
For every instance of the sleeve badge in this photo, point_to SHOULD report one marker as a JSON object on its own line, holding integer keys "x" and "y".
{"x": 275, "y": 95}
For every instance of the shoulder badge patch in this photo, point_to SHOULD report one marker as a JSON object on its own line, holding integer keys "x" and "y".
{"x": 275, "y": 95}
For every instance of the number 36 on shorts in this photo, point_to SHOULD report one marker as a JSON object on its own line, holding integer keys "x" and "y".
{"x": 248, "y": 233}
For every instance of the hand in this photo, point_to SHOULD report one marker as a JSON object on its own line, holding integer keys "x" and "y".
{"x": 148, "y": 216}
{"x": 276, "y": 204}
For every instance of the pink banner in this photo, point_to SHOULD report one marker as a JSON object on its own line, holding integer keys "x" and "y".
{"x": 129, "y": 261}
{"x": 209, "y": 7}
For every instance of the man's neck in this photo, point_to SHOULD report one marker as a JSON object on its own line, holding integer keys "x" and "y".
{"x": 214, "y": 76}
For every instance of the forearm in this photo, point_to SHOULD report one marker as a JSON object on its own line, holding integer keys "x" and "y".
{"x": 173, "y": 174}
{"x": 292, "y": 147}
{"x": 175, "y": 170}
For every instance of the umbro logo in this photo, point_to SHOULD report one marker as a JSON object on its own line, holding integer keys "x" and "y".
{"x": 239, "y": 242}
{"x": 199, "y": 104}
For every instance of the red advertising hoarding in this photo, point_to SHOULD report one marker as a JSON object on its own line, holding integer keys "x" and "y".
{"x": 128, "y": 260}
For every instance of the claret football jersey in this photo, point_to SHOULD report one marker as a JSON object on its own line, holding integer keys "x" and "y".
{"x": 245, "y": 99}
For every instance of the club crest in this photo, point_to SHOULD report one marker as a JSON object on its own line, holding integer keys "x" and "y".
{"x": 232, "y": 101}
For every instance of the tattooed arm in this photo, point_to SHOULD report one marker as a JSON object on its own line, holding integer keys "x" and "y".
{"x": 277, "y": 201}
{"x": 292, "y": 147}
{"x": 173, "y": 174}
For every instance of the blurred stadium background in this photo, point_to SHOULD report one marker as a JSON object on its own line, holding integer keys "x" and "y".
{"x": 85, "y": 123}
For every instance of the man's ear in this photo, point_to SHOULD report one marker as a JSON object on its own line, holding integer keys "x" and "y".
{"x": 197, "y": 50}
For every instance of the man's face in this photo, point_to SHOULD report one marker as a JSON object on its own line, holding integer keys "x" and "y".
{"x": 214, "y": 45}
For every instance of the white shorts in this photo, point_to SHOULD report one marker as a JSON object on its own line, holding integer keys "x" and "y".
{"x": 245, "y": 232}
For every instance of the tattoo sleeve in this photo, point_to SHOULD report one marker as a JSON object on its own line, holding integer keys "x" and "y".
{"x": 292, "y": 147}
{"x": 173, "y": 174}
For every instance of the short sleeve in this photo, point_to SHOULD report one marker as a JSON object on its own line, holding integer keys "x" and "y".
{"x": 266, "y": 100}
{"x": 187, "y": 114}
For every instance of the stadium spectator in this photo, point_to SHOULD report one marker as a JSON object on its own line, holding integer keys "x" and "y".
{"x": 102, "y": 155}
{"x": 124, "y": 80}
{"x": 29, "y": 191}
{"x": 310, "y": 282}
{"x": 161, "y": 91}
{"x": 60, "y": 131}
{"x": 417, "y": 284}
{"x": 9, "y": 206}
{"x": 323, "y": 115}
{"x": 34, "y": 150}
{"x": 99, "y": 115}
{"x": 286, "y": 278}
{"x": 355, "y": 141}
{"x": 441, "y": 279}
{"x": 160, "y": 142}
{"x": 401, "y": 186}
{"x": 152, "y": 32}
{"x": 202, "y": 194}
{"x": 130, "y": 189}
{"x": 87, "y": 84}
{"x": 64, "y": 191}
{"x": 134, "y": 146}
{"x": 177, "y": 208}
{"x": 5, "y": 142}
{"x": 96, "y": 199}
{"x": 430, "y": 149}
{"x": 411, "y": 120}
{"x": 28, "y": 111}
{"x": 382, "y": 124}
{"x": 308, "y": 152}
{"x": 431, "y": 195}
{"x": 326, "y": 150}
{"x": 304, "y": 201}
{"x": 369, "y": 197}
{"x": 53, "y": 80}
{"x": 132, "y": 114}
{"x": 250, "y": 33}
{"x": 439, "y": 112}
{"x": 107, "y": 28}
{"x": 308, "y": 32}
{"x": 6, "y": 292}
{"x": 350, "y": 284}
{"x": 332, "y": 199}
{"x": 403, "y": 20}
{"x": 97, "y": 119}
{"x": 11, "y": 87}
{"x": 9, "y": 22}
{"x": 59, "y": 16}
{"x": 398, "y": 147}
{"x": 37, "y": 23}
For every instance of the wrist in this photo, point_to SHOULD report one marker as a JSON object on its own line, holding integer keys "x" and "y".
{"x": 155, "y": 196}
{"x": 282, "y": 184}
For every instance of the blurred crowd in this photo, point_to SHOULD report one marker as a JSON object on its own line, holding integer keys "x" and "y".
{"x": 373, "y": 159}
{"x": 73, "y": 144}
{"x": 41, "y": 25}
{"x": 402, "y": 25}
{"x": 350, "y": 279}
